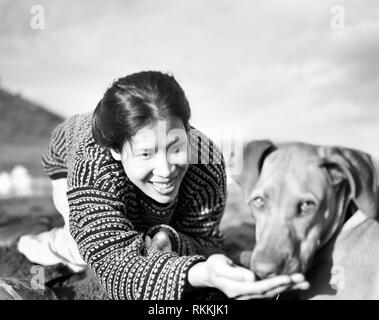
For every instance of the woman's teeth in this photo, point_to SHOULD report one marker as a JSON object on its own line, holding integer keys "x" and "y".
{"x": 163, "y": 186}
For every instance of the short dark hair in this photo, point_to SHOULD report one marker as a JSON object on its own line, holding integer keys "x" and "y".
{"x": 134, "y": 101}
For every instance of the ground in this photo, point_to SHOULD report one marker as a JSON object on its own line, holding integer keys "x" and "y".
{"x": 28, "y": 215}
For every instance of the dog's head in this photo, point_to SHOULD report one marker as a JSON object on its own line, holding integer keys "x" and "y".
{"x": 298, "y": 195}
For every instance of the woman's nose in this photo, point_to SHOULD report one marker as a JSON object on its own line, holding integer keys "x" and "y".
{"x": 163, "y": 168}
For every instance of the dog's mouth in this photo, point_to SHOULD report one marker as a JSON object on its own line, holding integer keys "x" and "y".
{"x": 265, "y": 269}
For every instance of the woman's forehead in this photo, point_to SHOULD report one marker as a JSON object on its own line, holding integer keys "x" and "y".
{"x": 159, "y": 131}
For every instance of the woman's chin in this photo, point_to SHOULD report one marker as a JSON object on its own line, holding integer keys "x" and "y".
{"x": 163, "y": 199}
{"x": 163, "y": 196}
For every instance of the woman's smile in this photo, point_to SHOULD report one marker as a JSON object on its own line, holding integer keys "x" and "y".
{"x": 164, "y": 187}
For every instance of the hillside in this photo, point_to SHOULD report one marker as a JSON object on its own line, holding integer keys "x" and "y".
{"x": 25, "y": 130}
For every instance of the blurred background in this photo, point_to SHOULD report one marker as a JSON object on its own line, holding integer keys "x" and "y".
{"x": 293, "y": 70}
{"x": 284, "y": 70}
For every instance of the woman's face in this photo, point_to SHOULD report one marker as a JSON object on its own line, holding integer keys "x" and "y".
{"x": 156, "y": 159}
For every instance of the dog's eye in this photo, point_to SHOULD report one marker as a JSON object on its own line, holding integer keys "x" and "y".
{"x": 306, "y": 207}
{"x": 258, "y": 202}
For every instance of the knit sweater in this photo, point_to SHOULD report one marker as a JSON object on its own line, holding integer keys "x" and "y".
{"x": 110, "y": 216}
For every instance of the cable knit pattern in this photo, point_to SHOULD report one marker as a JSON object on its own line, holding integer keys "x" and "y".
{"x": 109, "y": 215}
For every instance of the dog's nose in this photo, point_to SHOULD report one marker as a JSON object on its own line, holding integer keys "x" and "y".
{"x": 266, "y": 268}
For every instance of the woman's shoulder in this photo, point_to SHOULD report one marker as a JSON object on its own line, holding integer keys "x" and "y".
{"x": 207, "y": 166}
{"x": 203, "y": 150}
{"x": 73, "y": 131}
{"x": 93, "y": 166}
{"x": 79, "y": 140}
{"x": 90, "y": 164}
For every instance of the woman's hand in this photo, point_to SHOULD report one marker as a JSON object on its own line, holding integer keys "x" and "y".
{"x": 238, "y": 282}
{"x": 160, "y": 241}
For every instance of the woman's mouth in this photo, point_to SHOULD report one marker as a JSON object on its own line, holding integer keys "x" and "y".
{"x": 164, "y": 187}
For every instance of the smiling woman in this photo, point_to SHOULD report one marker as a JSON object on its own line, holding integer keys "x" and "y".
{"x": 136, "y": 209}
{"x": 135, "y": 124}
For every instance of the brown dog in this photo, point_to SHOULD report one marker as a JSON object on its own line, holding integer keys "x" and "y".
{"x": 315, "y": 209}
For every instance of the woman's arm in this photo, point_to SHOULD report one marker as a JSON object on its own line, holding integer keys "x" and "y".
{"x": 195, "y": 226}
{"x": 117, "y": 253}
{"x": 239, "y": 283}
{"x": 54, "y": 157}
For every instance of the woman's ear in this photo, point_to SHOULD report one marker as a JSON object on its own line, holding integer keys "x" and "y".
{"x": 116, "y": 155}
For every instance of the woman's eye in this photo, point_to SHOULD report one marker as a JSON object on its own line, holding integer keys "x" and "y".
{"x": 306, "y": 207}
{"x": 145, "y": 153}
{"x": 258, "y": 202}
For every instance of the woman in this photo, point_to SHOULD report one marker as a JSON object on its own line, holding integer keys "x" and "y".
{"x": 144, "y": 206}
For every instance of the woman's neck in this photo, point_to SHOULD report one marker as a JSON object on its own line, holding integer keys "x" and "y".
{"x": 148, "y": 199}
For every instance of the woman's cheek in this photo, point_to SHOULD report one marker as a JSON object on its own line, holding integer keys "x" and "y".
{"x": 137, "y": 170}
{"x": 178, "y": 158}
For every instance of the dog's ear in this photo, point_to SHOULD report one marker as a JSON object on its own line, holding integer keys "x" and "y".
{"x": 254, "y": 154}
{"x": 357, "y": 168}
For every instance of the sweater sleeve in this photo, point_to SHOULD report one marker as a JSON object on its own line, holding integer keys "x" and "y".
{"x": 54, "y": 157}
{"x": 116, "y": 252}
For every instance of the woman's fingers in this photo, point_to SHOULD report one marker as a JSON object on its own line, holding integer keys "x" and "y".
{"x": 304, "y": 285}
{"x": 266, "y": 285}
{"x": 268, "y": 295}
{"x": 240, "y": 283}
{"x": 275, "y": 292}
{"x": 147, "y": 241}
{"x": 161, "y": 241}
{"x": 234, "y": 289}
{"x": 236, "y": 273}
{"x": 297, "y": 277}
{"x": 301, "y": 286}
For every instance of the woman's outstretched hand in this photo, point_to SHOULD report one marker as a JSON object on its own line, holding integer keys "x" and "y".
{"x": 236, "y": 282}
{"x": 218, "y": 271}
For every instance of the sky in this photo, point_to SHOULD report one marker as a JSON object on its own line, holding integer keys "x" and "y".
{"x": 257, "y": 69}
